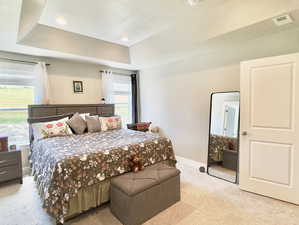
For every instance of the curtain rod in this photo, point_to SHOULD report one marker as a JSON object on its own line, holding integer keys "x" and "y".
{"x": 21, "y": 61}
{"x": 119, "y": 73}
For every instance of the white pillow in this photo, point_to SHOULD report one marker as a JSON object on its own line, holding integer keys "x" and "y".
{"x": 84, "y": 114}
{"x": 110, "y": 123}
{"x": 51, "y": 129}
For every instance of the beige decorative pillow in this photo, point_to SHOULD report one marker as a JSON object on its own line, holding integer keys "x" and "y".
{"x": 51, "y": 129}
{"x": 77, "y": 123}
{"x": 110, "y": 123}
{"x": 93, "y": 124}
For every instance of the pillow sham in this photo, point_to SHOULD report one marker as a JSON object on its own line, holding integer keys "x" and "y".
{"x": 93, "y": 124}
{"x": 110, "y": 123}
{"x": 51, "y": 129}
{"x": 77, "y": 123}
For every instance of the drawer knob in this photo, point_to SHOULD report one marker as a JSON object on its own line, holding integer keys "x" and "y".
{"x": 3, "y": 172}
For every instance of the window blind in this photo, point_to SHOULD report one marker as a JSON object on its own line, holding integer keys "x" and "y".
{"x": 16, "y": 73}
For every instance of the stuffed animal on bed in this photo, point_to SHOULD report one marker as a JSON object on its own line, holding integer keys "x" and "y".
{"x": 135, "y": 163}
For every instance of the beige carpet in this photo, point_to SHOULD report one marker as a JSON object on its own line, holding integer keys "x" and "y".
{"x": 221, "y": 172}
{"x": 205, "y": 201}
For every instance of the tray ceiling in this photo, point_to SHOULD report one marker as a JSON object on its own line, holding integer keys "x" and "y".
{"x": 133, "y": 33}
{"x": 112, "y": 21}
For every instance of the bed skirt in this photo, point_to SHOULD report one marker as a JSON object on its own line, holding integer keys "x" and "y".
{"x": 89, "y": 197}
{"x": 93, "y": 196}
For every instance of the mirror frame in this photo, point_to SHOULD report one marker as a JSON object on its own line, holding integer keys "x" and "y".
{"x": 208, "y": 161}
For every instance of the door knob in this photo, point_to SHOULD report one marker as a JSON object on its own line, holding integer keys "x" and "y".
{"x": 244, "y": 133}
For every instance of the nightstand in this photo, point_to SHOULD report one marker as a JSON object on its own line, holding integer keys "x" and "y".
{"x": 11, "y": 166}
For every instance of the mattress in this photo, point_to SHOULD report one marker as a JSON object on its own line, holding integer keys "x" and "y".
{"x": 64, "y": 166}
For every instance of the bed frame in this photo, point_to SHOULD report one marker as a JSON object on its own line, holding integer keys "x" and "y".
{"x": 45, "y": 113}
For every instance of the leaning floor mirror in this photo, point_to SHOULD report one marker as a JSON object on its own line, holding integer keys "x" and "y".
{"x": 224, "y": 136}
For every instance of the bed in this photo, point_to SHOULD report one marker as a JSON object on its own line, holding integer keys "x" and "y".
{"x": 73, "y": 172}
{"x": 224, "y": 150}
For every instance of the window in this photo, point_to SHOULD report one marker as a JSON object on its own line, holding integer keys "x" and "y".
{"x": 122, "y": 97}
{"x": 16, "y": 93}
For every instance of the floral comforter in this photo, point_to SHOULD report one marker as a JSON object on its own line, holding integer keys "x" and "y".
{"x": 63, "y": 165}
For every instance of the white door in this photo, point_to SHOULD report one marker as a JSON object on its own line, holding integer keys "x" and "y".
{"x": 231, "y": 119}
{"x": 269, "y": 141}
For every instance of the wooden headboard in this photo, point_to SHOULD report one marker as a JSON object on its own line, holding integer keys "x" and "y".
{"x": 45, "y": 113}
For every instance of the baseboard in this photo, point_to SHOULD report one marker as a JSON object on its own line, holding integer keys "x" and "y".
{"x": 191, "y": 163}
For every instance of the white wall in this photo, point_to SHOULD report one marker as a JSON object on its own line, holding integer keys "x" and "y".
{"x": 179, "y": 104}
{"x": 62, "y": 73}
{"x": 176, "y": 96}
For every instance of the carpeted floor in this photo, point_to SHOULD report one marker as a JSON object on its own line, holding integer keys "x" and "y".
{"x": 221, "y": 172}
{"x": 205, "y": 201}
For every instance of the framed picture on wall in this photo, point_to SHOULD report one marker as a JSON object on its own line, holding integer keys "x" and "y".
{"x": 78, "y": 86}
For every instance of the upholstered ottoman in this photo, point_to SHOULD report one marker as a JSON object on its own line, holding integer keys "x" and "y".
{"x": 136, "y": 197}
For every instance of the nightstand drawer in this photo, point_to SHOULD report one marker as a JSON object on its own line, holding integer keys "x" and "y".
{"x": 9, "y": 158}
{"x": 10, "y": 173}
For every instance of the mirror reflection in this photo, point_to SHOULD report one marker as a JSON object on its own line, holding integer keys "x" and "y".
{"x": 223, "y": 137}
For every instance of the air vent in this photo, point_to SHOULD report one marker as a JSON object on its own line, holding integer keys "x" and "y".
{"x": 283, "y": 20}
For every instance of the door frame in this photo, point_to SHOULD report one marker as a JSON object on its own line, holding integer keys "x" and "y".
{"x": 238, "y": 136}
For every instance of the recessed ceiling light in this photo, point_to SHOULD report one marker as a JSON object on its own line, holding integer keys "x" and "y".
{"x": 125, "y": 39}
{"x": 193, "y": 2}
{"x": 61, "y": 21}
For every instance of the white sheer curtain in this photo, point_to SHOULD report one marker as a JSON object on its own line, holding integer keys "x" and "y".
{"x": 107, "y": 86}
{"x": 41, "y": 84}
